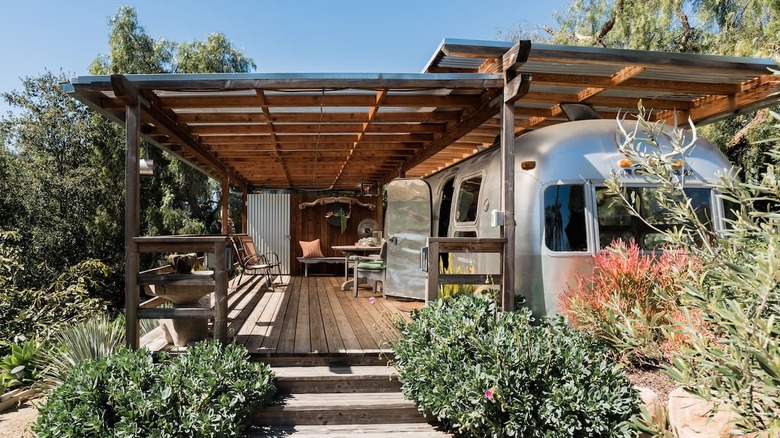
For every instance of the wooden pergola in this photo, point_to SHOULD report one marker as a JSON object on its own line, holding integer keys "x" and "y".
{"x": 329, "y": 132}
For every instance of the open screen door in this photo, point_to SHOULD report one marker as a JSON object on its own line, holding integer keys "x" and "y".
{"x": 407, "y": 227}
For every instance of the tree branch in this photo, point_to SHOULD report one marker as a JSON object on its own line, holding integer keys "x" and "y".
{"x": 682, "y": 46}
{"x": 607, "y": 27}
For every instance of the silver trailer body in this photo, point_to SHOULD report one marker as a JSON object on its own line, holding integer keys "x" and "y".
{"x": 563, "y": 214}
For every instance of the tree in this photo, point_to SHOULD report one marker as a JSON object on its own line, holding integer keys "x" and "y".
{"x": 61, "y": 172}
{"x": 179, "y": 199}
{"x": 62, "y": 166}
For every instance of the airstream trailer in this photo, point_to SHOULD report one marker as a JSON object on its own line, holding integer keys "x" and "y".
{"x": 564, "y": 214}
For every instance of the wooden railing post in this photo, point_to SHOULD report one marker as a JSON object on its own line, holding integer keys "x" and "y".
{"x": 132, "y": 221}
{"x": 432, "y": 279}
{"x": 216, "y": 244}
{"x": 220, "y": 293}
{"x": 454, "y": 245}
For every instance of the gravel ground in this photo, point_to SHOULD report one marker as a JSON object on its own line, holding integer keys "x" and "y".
{"x": 16, "y": 422}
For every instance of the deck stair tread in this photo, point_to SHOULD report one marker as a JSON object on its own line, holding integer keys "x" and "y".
{"x": 339, "y": 408}
{"x": 338, "y": 379}
{"x": 410, "y": 430}
{"x": 333, "y": 373}
{"x": 331, "y": 400}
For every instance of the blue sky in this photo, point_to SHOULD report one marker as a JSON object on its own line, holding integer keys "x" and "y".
{"x": 394, "y": 36}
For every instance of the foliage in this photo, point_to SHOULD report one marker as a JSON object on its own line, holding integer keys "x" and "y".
{"x": 207, "y": 392}
{"x": 342, "y": 216}
{"x": 27, "y": 313}
{"x": 739, "y": 27}
{"x": 19, "y": 367}
{"x": 61, "y": 157}
{"x": 61, "y": 184}
{"x": 484, "y": 372}
{"x": 737, "y": 292}
{"x": 448, "y": 291}
{"x": 93, "y": 339}
{"x": 631, "y": 300}
{"x": 178, "y": 199}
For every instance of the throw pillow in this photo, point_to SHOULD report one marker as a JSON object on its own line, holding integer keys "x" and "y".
{"x": 311, "y": 249}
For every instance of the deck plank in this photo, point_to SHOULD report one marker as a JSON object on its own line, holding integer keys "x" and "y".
{"x": 362, "y": 331}
{"x": 348, "y": 338}
{"x": 330, "y": 327}
{"x": 244, "y": 333}
{"x": 266, "y": 320}
{"x": 302, "y": 343}
{"x": 372, "y": 318}
{"x": 287, "y": 339}
{"x": 271, "y": 341}
{"x": 316, "y": 326}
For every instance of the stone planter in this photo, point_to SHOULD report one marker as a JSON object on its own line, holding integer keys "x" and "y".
{"x": 181, "y": 331}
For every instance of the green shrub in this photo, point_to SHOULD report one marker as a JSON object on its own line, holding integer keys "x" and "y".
{"x": 484, "y": 372}
{"x": 207, "y": 392}
{"x": 18, "y": 368}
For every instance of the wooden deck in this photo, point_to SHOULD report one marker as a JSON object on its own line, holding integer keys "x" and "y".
{"x": 307, "y": 316}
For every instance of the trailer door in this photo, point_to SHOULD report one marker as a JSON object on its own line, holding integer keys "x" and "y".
{"x": 407, "y": 227}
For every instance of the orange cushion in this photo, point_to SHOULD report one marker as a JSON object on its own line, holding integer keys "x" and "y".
{"x": 311, "y": 249}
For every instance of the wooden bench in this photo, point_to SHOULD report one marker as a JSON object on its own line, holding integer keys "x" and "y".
{"x": 316, "y": 260}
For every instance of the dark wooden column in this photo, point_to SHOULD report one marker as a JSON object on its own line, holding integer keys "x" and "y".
{"x": 244, "y": 210}
{"x": 132, "y": 220}
{"x": 225, "y": 203}
{"x": 515, "y": 87}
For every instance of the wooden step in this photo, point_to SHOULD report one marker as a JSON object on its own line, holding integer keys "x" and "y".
{"x": 338, "y": 408}
{"x": 337, "y": 379}
{"x": 369, "y": 358}
{"x": 403, "y": 430}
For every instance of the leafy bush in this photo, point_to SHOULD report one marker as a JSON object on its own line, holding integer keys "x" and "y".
{"x": 738, "y": 290}
{"x": 629, "y": 300}
{"x": 27, "y": 313}
{"x": 18, "y": 368}
{"x": 484, "y": 372}
{"x": 208, "y": 392}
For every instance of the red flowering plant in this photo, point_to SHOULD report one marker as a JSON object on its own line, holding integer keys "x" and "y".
{"x": 632, "y": 301}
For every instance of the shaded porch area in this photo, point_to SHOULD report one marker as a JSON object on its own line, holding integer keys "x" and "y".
{"x": 306, "y": 317}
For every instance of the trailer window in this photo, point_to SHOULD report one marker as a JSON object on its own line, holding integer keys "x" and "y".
{"x": 564, "y": 218}
{"x": 615, "y": 221}
{"x": 468, "y": 199}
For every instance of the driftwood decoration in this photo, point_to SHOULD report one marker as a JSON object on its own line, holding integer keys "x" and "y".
{"x": 335, "y": 200}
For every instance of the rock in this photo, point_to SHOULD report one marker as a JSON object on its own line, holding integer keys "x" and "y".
{"x": 690, "y": 416}
{"x": 653, "y": 404}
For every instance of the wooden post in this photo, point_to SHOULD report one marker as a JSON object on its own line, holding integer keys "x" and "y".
{"x": 225, "y": 203}
{"x": 508, "y": 201}
{"x": 244, "y": 210}
{"x": 132, "y": 220}
{"x": 432, "y": 277}
{"x": 220, "y": 293}
{"x": 515, "y": 87}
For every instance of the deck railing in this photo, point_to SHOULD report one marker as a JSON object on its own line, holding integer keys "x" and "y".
{"x": 438, "y": 245}
{"x": 218, "y": 246}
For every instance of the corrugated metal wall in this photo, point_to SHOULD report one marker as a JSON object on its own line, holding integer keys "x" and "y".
{"x": 269, "y": 225}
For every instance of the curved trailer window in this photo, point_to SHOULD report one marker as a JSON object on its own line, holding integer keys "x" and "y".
{"x": 615, "y": 221}
{"x": 468, "y": 199}
{"x": 564, "y": 218}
